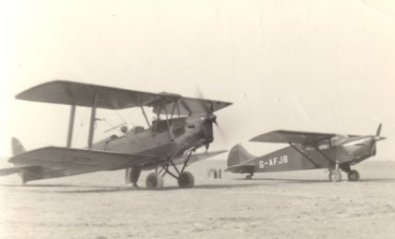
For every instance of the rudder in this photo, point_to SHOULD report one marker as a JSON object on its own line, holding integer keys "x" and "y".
{"x": 237, "y": 155}
{"x": 17, "y": 147}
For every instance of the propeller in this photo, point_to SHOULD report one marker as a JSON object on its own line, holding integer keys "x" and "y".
{"x": 377, "y": 138}
{"x": 210, "y": 116}
{"x": 378, "y": 131}
{"x": 208, "y": 109}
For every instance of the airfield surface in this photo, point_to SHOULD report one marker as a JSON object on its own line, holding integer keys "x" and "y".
{"x": 277, "y": 205}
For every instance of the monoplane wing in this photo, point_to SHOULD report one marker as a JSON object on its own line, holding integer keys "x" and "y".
{"x": 59, "y": 161}
{"x": 88, "y": 95}
{"x": 296, "y": 137}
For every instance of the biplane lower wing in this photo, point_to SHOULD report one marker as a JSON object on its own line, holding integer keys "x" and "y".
{"x": 197, "y": 157}
{"x": 295, "y": 137}
{"x": 51, "y": 162}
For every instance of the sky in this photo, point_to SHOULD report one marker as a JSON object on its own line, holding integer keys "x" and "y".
{"x": 316, "y": 65}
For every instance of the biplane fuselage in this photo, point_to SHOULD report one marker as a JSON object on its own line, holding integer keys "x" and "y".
{"x": 306, "y": 151}
{"x": 164, "y": 139}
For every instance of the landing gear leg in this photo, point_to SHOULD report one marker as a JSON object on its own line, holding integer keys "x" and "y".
{"x": 132, "y": 176}
{"x": 185, "y": 179}
{"x": 335, "y": 174}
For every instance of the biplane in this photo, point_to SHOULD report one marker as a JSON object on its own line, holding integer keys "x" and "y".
{"x": 306, "y": 150}
{"x": 167, "y": 145}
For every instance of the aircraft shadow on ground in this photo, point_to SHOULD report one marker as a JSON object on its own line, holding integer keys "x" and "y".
{"x": 254, "y": 182}
{"x": 58, "y": 188}
{"x": 302, "y": 181}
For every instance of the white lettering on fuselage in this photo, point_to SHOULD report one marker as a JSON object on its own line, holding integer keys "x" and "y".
{"x": 273, "y": 161}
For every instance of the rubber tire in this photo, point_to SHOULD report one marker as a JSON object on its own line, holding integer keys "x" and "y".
{"x": 186, "y": 180}
{"x": 335, "y": 176}
{"x": 249, "y": 177}
{"x": 154, "y": 181}
{"x": 353, "y": 176}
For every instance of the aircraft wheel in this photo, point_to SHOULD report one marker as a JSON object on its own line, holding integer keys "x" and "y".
{"x": 353, "y": 175}
{"x": 335, "y": 176}
{"x": 249, "y": 176}
{"x": 186, "y": 180}
{"x": 154, "y": 181}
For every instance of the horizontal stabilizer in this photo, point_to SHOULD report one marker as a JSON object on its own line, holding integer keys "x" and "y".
{"x": 241, "y": 168}
{"x": 9, "y": 171}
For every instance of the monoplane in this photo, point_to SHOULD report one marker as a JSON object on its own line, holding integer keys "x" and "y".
{"x": 306, "y": 150}
{"x": 182, "y": 126}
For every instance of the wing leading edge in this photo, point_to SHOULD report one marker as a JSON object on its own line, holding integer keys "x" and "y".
{"x": 296, "y": 137}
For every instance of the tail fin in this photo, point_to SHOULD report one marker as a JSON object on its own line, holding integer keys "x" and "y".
{"x": 237, "y": 155}
{"x": 378, "y": 130}
{"x": 17, "y": 147}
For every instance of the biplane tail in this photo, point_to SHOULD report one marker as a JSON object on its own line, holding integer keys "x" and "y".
{"x": 237, "y": 155}
{"x": 17, "y": 147}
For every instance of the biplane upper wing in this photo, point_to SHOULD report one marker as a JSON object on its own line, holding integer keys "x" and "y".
{"x": 296, "y": 137}
{"x": 81, "y": 94}
{"x": 59, "y": 161}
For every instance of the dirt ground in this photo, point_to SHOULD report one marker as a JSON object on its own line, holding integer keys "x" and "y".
{"x": 278, "y": 205}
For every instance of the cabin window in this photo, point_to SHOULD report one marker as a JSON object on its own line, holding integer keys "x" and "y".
{"x": 324, "y": 144}
{"x": 308, "y": 148}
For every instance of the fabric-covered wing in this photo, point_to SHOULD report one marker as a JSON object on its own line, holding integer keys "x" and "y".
{"x": 296, "y": 137}
{"x": 80, "y": 94}
{"x": 193, "y": 106}
{"x": 58, "y": 161}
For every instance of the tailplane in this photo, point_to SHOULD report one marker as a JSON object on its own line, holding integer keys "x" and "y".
{"x": 17, "y": 147}
{"x": 237, "y": 155}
